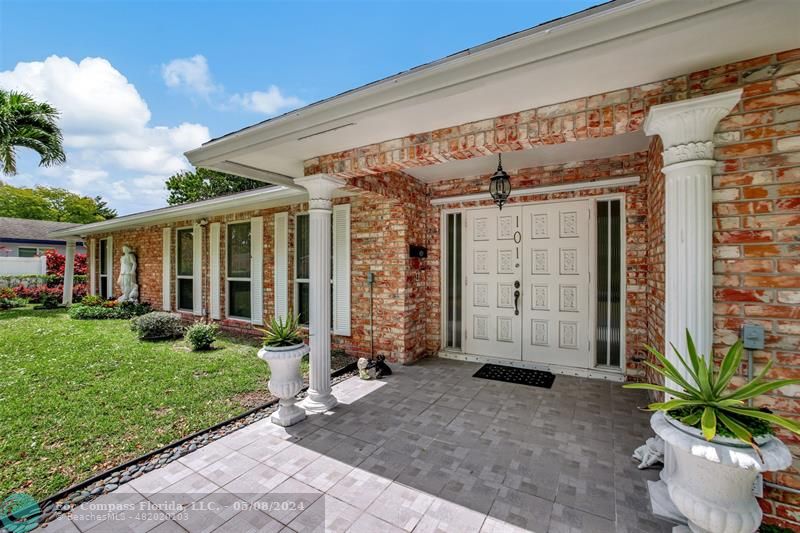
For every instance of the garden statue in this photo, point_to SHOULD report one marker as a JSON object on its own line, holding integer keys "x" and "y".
{"x": 127, "y": 276}
{"x": 650, "y": 453}
{"x": 366, "y": 368}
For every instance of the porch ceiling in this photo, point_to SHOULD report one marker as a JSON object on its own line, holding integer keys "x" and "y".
{"x": 538, "y": 156}
{"x": 616, "y": 45}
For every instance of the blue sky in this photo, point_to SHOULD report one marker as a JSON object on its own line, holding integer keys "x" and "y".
{"x": 138, "y": 83}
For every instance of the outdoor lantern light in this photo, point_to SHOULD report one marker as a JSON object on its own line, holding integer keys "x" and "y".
{"x": 500, "y": 186}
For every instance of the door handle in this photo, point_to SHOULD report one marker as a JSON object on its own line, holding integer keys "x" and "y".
{"x": 516, "y": 302}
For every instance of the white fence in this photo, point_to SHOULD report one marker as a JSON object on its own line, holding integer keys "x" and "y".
{"x": 22, "y": 266}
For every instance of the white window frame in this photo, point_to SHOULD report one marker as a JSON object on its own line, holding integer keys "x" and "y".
{"x": 298, "y": 281}
{"x": 228, "y": 278}
{"x": 178, "y": 277}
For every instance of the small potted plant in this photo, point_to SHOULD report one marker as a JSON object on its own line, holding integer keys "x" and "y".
{"x": 283, "y": 350}
{"x": 715, "y": 443}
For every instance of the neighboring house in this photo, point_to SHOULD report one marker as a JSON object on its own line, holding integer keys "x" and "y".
{"x": 654, "y": 153}
{"x": 22, "y": 237}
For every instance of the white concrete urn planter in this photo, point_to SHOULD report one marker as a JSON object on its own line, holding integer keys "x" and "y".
{"x": 709, "y": 485}
{"x": 285, "y": 381}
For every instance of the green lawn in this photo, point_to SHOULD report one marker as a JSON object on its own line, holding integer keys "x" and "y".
{"x": 77, "y": 397}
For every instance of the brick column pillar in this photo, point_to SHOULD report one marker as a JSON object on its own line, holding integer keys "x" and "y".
{"x": 687, "y": 129}
{"x": 320, "y": 194}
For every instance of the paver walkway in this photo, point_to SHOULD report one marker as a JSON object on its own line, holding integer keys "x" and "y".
{"x": 428, "y": 449}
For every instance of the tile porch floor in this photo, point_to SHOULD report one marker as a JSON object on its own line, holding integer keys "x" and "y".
{"x": 428, "y": 449}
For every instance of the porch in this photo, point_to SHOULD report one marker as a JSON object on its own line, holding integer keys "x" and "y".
{"x": 429, "y": 448}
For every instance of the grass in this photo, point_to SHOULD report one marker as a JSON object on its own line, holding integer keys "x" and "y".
{"x": 80, "y": 396}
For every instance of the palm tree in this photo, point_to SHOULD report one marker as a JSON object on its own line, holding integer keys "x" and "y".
{"x": 26, "y": 123}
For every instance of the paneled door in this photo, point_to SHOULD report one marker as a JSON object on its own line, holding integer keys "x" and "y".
{"x": 492, "y": 275}
{"x": 556, "y": 296}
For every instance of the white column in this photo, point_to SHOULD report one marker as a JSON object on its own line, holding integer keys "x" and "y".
{"x": 687, "y": 129}
{"x": 320, "y": 193}
{"x": 69, "y": 272}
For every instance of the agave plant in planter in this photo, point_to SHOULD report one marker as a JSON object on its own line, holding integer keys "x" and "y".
{"x": 283, "y": 350}
{"x": 715, "y": 444}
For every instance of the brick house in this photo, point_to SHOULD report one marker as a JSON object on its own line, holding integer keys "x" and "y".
{"x": 655, "y": 174}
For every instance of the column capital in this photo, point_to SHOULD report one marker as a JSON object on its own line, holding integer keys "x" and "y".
{"x": 320, "y": 189}
{"x": 686, "y": 127}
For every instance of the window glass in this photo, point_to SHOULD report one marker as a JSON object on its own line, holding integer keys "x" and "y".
{"x": 185, "y": 293}
{"x": 239, "y": 251}
{"x": 26, "y": 252}
{"x": 239, "y": 297}
{"x": 302, "y": 247}
{"x": 185, "y": 252}
{"x": 104, "y": 257}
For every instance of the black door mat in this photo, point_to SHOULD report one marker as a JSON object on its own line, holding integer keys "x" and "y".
{"x": 522, "y": 376}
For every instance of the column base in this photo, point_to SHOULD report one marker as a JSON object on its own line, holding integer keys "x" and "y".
{"x": 288, "y": 414}
{"x": 319, "y": 403}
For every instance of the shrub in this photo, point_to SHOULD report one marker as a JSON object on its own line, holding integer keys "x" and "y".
{"x": 49, "y": 299}
{"x": 92, "y": 300}
{"x": 92, "y": 312}
{"x": 7, "y": 293}
{"x": 201, "y": 336}
{"x": 98, "y": 309}
{"x": 56, "y": 261}
{"x": 132, "y": 309}
{"x": 10, "y": 303}
{"x": 157, "y": 325}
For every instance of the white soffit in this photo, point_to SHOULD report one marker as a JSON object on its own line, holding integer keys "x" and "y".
{"x": 548, "y": 154}
{"x": 610, "y": 47}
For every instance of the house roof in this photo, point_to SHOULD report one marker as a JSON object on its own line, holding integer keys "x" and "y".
{"x": 28, "y": 230}
{"x": 262, "y": 198}
{"x": 612, "y": 46}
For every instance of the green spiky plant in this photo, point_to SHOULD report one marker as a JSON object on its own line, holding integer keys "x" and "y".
{"x": 280, "y": 332}
{"x": 708, "y": 402}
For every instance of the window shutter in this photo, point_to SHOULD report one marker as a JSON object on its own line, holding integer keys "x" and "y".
{"x": 166, "y": 271}
{"x": 197, "y": 269}
{"x": 213, "y": 271}
{"x": 341, "y": 270}
{"x": 281, "y": 270}
{"x": 110, "y": 267}
{"x": 92, "y": 267}
{"x": 257, "y": 270}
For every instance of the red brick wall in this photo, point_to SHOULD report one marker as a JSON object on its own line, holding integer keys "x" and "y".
{"x": 757, "y": 233}
{"x": 655, "y": 255}
{"x": 380, "y": 236}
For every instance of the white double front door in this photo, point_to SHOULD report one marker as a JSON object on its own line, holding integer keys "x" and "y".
{"x": 527, "y": 283}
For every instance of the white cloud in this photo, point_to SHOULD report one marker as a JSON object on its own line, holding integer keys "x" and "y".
{"x": 268, "y": 102}
{"x": 190, "y": 73}
{"x": 109, "y": 140}
{"x": 193, "y": 75}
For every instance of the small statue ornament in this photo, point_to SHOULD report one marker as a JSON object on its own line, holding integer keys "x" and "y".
{"x": 649, "y": 453}
{"x": 127, "y": 276}
{"x": 366, "y": 368}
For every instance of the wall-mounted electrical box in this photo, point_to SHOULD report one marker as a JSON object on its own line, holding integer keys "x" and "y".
{"x": 419, "y": 252}
{"x": 753, "y": 336}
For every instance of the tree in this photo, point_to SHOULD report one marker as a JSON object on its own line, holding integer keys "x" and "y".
{"x": 50, "y": 203}
{"x": 26, "y": 123}
{"x": 204, "y": 183}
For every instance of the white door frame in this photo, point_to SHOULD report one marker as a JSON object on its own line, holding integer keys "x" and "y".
{"x": 595, "y": 371}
